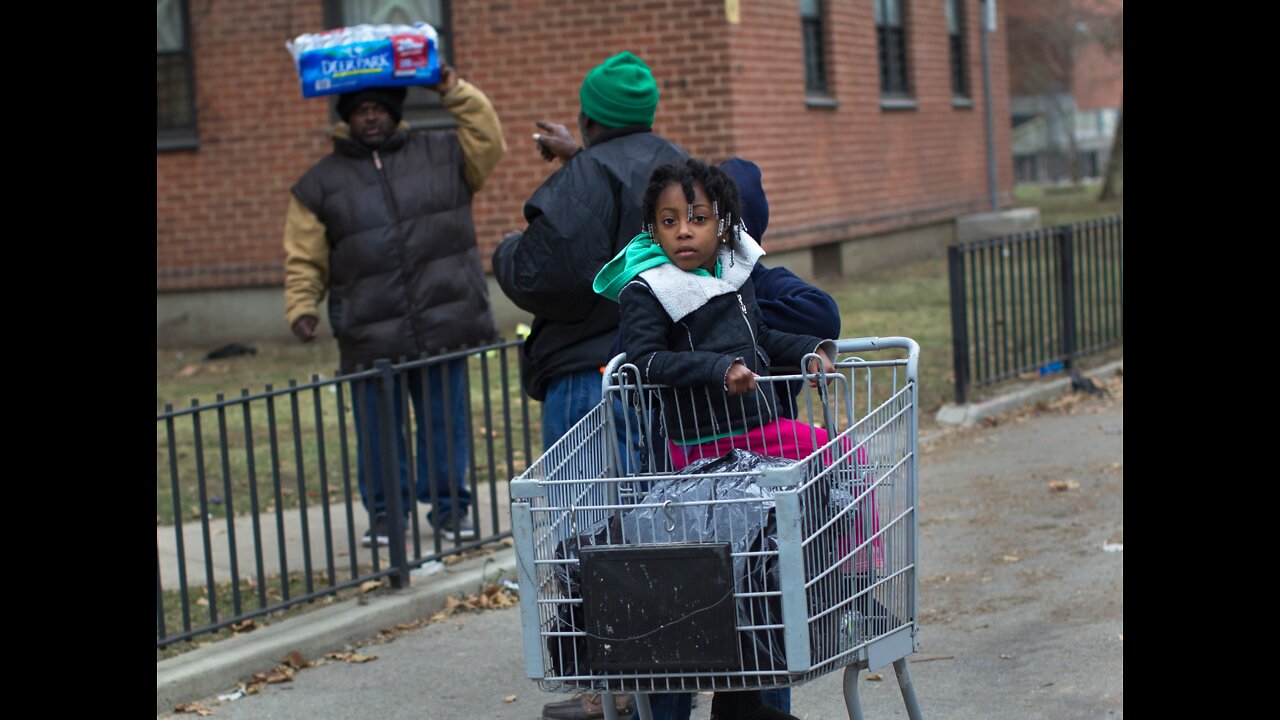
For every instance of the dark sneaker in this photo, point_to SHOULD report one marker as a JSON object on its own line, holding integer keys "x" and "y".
{"x": 380, "y": 530}
{"x": 456, "y": 526}
{"x": 586, "y": 707}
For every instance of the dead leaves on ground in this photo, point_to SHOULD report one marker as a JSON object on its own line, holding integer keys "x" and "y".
{"x": 296, "y": 661}
{"x": 353, "y": 657}
{"x": 1075, "y": 403}
{"x": 493, "y": 597}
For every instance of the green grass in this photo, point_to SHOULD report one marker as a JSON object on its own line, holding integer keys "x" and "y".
{"x": 1064, "y": 204}
{"x": 910, "y": 300}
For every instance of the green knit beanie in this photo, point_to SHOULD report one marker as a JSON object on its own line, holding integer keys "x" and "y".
{"x": 620, "y": 91}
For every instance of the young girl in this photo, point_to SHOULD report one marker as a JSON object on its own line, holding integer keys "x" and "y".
{"x": 690, "y": 321}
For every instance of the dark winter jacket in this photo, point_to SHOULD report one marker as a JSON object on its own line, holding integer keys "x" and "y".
{"x": 787, "y": 303}
{"x": 790, "y": 304}
{"x": 578, "y": 219}
{"x": 685, "y": 332}
{"x": 405, "y": 275}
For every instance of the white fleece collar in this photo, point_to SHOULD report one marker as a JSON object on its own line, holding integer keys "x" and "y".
{"x": 683, "y": 292}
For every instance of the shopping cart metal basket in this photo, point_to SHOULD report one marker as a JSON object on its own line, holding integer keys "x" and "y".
{"x": 641, "y": 574}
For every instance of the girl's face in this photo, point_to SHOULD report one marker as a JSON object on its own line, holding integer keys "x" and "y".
{"x": 688, "y": 238}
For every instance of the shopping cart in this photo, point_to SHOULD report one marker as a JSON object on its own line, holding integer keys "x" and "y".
{"x": 726, "y": 574}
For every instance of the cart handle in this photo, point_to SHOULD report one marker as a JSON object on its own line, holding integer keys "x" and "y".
{"x": 846, "y": 345}
{"x": 864, "y": 344}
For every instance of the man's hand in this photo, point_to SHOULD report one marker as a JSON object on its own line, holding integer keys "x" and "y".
{"x": 826, "y": 367}
{"x": 448, "y": 79}
{"x": 740, "y": 380}
{"x": 558, "y": 144}
{"x": 305, "y": 328}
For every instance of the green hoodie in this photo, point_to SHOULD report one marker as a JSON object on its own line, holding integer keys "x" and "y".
{"x": 641, "y": 254}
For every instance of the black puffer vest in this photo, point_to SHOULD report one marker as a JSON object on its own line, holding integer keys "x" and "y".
{"x": 405, "y": 275}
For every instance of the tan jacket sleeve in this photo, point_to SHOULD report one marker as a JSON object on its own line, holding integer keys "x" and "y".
{"x": 479, "y": 131}
{"x": 306, "y": 263}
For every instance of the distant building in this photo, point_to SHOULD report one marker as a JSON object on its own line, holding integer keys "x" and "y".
{"x": 1064, "y": 85}
{"x": 1040, "y": 138}
{"x": 866, "y": 118}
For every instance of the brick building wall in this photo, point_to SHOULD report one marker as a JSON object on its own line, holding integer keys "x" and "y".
{"x": 530, "y": 58}
{"x": 858, "y": 169}
{"x": 727, "y": 89}
{"x": 220, "y": 209}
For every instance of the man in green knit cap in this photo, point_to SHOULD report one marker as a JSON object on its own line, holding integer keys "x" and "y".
{"x": 580, "y": 217}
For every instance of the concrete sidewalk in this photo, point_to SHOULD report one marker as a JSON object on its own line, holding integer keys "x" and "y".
{"x": 218, "y": 667}
{"x": 346, "y": 539}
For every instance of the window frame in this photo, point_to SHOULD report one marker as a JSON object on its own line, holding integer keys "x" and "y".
{"x": 813, "y": 41}
{"x": 961, "y": 87}
{"x": 422, "y": 107}
{"x": 892, "y": 56}
{"x": 184, "y": 137}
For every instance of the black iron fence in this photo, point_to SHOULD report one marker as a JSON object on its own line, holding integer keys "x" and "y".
{"x": 1029, "y": 304}
{"x": 259, "y": 497}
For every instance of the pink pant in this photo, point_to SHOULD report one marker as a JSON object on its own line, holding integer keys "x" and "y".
{"x": 793, "y": 440}
{"x": 781, "y": 438}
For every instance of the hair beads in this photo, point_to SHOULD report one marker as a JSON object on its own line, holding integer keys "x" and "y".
{"x": 718, "y": 186}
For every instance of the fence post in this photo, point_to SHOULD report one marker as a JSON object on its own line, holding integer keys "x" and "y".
{"x": 1067, "y": 293}
{"x": 388, "y": 430}
{"x": 959, "y": 329}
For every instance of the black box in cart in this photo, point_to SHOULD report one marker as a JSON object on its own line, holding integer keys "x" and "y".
{"x": 659, "y": 607}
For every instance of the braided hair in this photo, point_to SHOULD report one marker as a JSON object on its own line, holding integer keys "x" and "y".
{"x": 720, "y": 188}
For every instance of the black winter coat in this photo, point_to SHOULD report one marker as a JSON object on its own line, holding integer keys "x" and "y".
{"x": 693, "y": 356}
{"x": 405, "y": 275}
{"x": 579, "y": 218}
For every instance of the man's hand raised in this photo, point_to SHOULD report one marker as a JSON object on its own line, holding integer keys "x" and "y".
{"x": 557, "y": 144}
{"x": 448, "y": 79}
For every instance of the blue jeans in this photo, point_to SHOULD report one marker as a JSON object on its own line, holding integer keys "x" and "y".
{"x": 446, "y": 459}
{"x": 570, "y": 398}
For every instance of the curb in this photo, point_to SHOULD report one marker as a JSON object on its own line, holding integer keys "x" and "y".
{"x": 970, "y": 413}
{"x": 206, "y": 671}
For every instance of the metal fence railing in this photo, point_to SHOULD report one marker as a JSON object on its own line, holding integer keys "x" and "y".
{"x": 258, "y": 497}
{"x": 1033, "y": 302}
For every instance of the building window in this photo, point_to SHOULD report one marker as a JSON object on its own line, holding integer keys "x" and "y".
{"x": 175, "y": 79}
{"x": 422, "y": 107}
{"x": 959, "y": 65}
{"x": 815, "y": 69}
{"x": 892, "y": 43}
